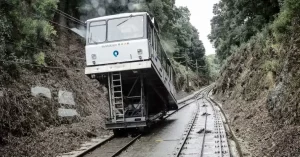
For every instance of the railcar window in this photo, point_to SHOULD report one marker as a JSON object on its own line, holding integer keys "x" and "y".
{"x": 153, "y": 39}
{"x": 125, "y": 28}
{"x": 158, "y": 48}
{"x": 164, "y": 60}
{"x": 150, "y": 34}
{"x": 155, "y": 42}
{"x": 168, "y": 70}
{"x": 173, "y": 77}
{"x": 97, "y": 32}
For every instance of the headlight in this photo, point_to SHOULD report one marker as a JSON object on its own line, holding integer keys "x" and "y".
{"x": 140, "y": 51}
{"x": 94, "y": 56}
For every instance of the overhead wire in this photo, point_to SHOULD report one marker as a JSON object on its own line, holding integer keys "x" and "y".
{"x": 43, "y": 50}
{"x": 68, "y": 16}
{"x": 41, "y": 17}
{"x": 39, "y": 49}
{"x": 59, "y": 24}
{"x": 37, "y": 65}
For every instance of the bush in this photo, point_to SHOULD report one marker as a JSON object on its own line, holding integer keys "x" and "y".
{"x": 40, "y": 58}
{"x": 282, "y": 25}
{"x": 26, "y": 27}
{"x": 271, "y": 65}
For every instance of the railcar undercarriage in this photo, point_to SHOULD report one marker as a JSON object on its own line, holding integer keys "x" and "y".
{"x": 137, "y": 98}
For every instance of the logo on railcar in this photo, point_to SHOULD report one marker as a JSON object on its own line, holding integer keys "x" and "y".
{"x": 116, "y": 53}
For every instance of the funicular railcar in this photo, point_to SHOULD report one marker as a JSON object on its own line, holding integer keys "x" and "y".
{"x": 124, "y": 53}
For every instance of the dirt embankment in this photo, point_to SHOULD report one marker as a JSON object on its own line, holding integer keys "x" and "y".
{"x": 259, "y": 86}
{"x": 30, "y": 126}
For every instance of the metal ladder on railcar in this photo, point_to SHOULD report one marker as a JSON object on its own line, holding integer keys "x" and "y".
{"x": 117, "y": 97}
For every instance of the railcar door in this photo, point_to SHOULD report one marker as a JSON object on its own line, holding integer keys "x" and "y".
{"x": 117, "y": 40}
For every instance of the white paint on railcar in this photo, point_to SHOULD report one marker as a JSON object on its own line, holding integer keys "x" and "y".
{"x": 118, "y": 67}
{"x": 117, "y": 52}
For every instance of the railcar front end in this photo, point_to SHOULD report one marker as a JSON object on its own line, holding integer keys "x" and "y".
{"x": 123, "y": 52}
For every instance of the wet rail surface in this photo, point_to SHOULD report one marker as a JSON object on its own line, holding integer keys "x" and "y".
{"x": 205, "y": 135}
{"x": 117, "y": 145}
{"x": 113, "y": 147}
{"x": 162, "y": 140}
{"x": 196, "y": 131}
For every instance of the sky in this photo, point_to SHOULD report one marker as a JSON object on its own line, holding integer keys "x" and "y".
{"x": 201, "y": 14}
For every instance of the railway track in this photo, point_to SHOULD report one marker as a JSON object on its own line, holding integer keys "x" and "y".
{"x": 116, "y": 145}
{"x": 205, "y": 135}
{"x": 113, "y": 147}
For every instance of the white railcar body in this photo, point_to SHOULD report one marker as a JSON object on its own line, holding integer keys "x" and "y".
{"x": 117, "y": 52}
{"x": 129, "y": 42}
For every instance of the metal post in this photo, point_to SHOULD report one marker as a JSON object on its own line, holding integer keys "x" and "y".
{"x": 142, "y": 96}
{"x": 197, "y": 67}
{"x": 187, "y": 70}
{"x": 109, "y": 95}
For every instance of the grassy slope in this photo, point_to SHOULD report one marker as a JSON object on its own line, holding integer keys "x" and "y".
{"x": 30, "y": 126}
{"x": 259, "y": 86}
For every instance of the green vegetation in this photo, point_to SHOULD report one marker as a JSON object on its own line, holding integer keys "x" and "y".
{"x": 238, "y": 23}
{"x": 235, "y": 22}
{"x": 178, "y": 36}
{"x": 23, "y": 25}
{"x": 214, "y": 66}
{"x": 260, "y": 71}
{"x": 289, "y": 16}
{"x": 28, "y": 27}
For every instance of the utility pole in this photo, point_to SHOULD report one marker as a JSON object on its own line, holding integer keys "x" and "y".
{"x": 187, "y": 70}
{"x": 197, "y": 68}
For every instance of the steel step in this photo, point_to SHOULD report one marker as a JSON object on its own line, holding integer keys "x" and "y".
{"x": 117, "y": 103}
{"x": 116, "y": 86}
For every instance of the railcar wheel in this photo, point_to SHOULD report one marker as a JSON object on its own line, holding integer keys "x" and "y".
{"x": 143, "y": 130}
{"x": 119, "y": 132}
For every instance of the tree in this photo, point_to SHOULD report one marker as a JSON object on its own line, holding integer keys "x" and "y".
{"x": 235, "y": 22}
{"x": 26, "y": 25}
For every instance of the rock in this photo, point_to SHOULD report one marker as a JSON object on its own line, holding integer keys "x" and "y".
{"x": 200, "y": 131}
{"x": 90, "y": 134}
{"x": 41, "y": 91}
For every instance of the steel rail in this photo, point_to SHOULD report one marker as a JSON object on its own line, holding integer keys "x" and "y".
{"x": 204, "y": 93}
{"x": 95, "y": 147}
{"x": 189, "y": 130}
{"x": 204, "y": 133}
{"x": 196, "y": 96}
{"x": 194, "y": 119}
{"x": 238, "y": 147}
{"x": 118, "y": 152}
{"x": 218, "y": 128}
{"x": 205, "y": 125}
{"x": 126, "y": 146}
{"x": 208, "y": 99}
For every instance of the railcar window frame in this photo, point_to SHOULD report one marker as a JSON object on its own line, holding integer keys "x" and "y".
{"x": 90, "y": 40}
{"x": 168, "y": 68}
{"x": 128, "y": 18}
{"x": 150, "y": 32}
{"x": 173, "y": 76}
{"x": 164, "y": 60}
{"x": 106, "y": 34}
{"x": 160, "y": 52}
{"x": 157, "y": 46}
